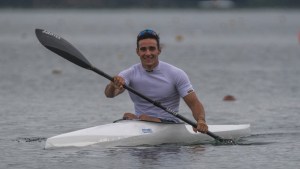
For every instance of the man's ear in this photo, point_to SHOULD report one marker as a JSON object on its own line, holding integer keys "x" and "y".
{"x": 159, "y": 49}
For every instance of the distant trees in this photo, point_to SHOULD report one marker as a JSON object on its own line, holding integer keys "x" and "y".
{"x": 268, "y": 3}
{"x": 140, "y": 3}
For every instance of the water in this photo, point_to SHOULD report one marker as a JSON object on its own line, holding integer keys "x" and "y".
{"x": 252, "y": 55}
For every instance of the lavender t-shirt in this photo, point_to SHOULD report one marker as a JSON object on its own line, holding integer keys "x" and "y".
{"x": 165, "y": 84}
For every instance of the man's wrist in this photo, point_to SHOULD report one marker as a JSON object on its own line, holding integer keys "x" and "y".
{"x": 201, "y": 120}
{"x": 112, "y": 85}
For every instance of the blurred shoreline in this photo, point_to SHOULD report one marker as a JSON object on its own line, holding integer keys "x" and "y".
{"x": 150, "y": 4}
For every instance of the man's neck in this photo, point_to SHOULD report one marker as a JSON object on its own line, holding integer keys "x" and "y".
{"x": 150, "y": 68}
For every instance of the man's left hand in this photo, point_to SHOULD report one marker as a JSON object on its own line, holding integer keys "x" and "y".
{"x": 201, "y": 127}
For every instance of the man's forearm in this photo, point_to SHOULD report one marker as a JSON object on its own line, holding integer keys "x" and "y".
{"x": 110, "y": 90}
{"x": 198, "y": 112}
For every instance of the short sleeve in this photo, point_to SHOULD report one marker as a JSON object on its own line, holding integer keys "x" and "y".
{"x": 183, "y": 84}
{"x": 126, "y": 75}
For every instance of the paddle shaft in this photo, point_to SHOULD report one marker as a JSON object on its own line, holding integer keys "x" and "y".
{"x": 94, "y": 69}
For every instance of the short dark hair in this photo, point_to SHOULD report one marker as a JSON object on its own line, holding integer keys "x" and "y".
{"x": 147, "y": 34}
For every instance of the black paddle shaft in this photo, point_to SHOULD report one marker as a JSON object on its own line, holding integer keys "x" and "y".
{"x": 66, "y": 50}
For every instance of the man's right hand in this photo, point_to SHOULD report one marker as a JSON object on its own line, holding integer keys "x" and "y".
{"x": 118, "y": 82}
{"x": 115, "y": 87}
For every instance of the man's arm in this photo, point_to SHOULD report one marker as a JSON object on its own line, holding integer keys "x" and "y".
{"x": 198, "y": 111}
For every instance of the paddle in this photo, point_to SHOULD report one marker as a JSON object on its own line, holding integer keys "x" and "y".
{"x": 66, "y": 50}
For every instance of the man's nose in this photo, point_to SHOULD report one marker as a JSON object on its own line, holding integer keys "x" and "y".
{"x": 147, "y": 52}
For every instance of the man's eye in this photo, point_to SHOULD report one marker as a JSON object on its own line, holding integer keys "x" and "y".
{"x": 143, "y": 49}
{"x": 152, "y": 48}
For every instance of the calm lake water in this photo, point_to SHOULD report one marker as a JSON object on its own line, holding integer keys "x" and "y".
{"x": 252, "y": 55}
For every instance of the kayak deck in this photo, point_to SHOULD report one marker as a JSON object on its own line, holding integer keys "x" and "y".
{"x": 134, "y": 133}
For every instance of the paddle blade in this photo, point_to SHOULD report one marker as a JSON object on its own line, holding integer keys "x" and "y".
{"x": 62, "y": 47}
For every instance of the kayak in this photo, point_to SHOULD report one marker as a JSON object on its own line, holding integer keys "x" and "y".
{"x": 131, "y": 133}
{"x": 135, "y": 133}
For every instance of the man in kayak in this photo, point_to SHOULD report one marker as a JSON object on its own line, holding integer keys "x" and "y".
{"x": 159, "y": 81}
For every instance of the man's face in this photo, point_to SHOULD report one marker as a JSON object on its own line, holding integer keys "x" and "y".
{"x": 148, "y": 52}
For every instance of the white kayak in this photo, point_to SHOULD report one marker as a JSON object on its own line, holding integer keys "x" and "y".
{"x": 134, "y": 133}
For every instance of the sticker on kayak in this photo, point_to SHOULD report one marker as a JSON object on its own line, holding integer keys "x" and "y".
{"x": 147, "y": 131}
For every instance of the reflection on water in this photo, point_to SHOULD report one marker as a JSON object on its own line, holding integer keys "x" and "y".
{"x": 153, "y": 156}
